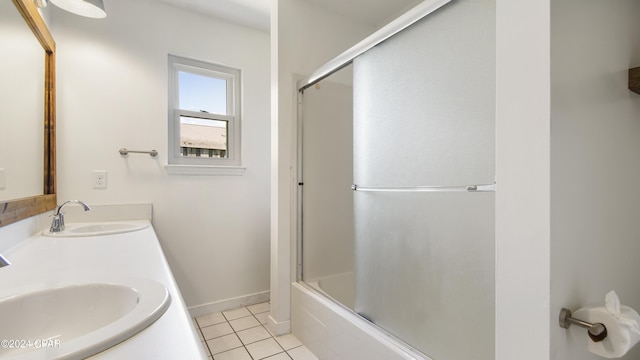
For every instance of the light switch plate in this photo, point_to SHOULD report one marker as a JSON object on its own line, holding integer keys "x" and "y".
{"x": 3, "y": 179}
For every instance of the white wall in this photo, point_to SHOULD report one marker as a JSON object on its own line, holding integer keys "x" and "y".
{"x": 595, "y": 232}
{"x": 522, "y": 174}
{"x": 112, "y": 93}
{"x": 303, "y": 38}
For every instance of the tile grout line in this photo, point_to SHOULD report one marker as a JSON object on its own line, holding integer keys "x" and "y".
{"x": 236, "y": 333}
{"x": 270, "y": 337}
{"x": 243, "y": 345}
{"x": 204, "y": 341}
{"x": 242, "y": 342}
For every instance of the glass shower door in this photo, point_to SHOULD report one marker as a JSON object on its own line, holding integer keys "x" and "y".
{"x": 327, "y": 174}
{"x": 424, "y": 120}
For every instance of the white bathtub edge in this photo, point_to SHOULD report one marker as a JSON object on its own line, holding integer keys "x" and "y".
{"x": 329, "y": 330}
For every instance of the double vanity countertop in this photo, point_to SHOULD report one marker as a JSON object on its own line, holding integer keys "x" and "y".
{"x": 53, "y": 262}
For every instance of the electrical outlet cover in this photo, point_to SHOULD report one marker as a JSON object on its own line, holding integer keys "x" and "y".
{"x": 99, "y": 179}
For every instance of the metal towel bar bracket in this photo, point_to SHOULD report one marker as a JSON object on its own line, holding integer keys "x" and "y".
{"x": 125, "y": 152}
{"x": 597, "y": 332}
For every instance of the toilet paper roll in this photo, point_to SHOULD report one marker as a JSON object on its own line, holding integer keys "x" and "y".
{"x": 622, "y": 322}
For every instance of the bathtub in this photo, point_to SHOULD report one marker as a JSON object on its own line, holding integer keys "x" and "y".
{"x": 333, "y": 331}
{"x": 339, "y": 287}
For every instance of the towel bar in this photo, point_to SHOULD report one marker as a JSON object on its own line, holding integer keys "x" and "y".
{"x": 597, "y": 332}
{"x": 125, "y": 152}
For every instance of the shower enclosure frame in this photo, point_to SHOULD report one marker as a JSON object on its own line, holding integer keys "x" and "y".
{"x": 402, "y": 22}
{"x": 523, "y": 170}
{"x": 343, "y": 60}
{"x": 332, "y": 66}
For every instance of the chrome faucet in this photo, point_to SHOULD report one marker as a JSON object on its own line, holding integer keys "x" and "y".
{"x": 3, "y": 261}
{"x": 57, "y": 224}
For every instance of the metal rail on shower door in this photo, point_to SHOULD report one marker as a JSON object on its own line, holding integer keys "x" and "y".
{"x": 405, "y": 20}
{"x": 463, "y": 188}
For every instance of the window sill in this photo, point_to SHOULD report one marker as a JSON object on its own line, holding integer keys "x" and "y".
{"x": 204, "y": 170}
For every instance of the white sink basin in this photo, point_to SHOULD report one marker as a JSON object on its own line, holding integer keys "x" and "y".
{"x": 77, "y": 321}
{"x": 96, "y": 229}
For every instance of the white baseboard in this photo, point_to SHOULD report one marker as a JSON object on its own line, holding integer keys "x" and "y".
{"x": 278, "y": 328}
{"x": 229, "y": 304}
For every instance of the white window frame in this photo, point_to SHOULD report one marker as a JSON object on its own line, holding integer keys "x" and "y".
{"x": 178, "y": 164}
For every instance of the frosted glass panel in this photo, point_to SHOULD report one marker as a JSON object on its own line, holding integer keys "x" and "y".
{"x": 424, "y": 270}
{"x": 424, "y": 102}
{"x": 424, "y": 116}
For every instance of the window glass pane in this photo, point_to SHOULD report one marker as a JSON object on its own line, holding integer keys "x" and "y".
{"x": 203, "y": 137}
{"x": 202, "y": 93}
{"x": 204, "y": 121}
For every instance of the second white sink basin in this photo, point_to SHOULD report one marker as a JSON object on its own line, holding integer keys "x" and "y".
{"x": 77, "y": 321}
{"x": 96, "y": 229}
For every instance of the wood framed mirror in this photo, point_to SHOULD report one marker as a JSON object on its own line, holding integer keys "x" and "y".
{"x": 12, "y": 210}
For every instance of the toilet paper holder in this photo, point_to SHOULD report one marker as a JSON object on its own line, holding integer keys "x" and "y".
{"x": 597, "y": 332}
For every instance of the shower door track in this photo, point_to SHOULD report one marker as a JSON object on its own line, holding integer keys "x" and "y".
{"x": 402, "y": 22}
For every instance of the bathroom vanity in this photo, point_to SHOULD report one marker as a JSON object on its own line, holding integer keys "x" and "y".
{"x": 110, "y": 256}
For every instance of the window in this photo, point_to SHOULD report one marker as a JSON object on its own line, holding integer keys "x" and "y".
{"x": 204, "y": 114}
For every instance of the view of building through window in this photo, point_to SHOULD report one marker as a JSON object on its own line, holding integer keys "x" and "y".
{"x": 203, "y": 137}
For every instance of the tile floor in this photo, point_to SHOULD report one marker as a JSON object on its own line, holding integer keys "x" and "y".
{"x": 240, "y": 334}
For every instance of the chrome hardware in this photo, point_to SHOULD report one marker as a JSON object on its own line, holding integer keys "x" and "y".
{"x": 57, "y": 224}
{"x": 3, "y": 261}
{"x": 125, "y": 152}
{"x": 597, "y": 332}
{"x": 464, "y": 188}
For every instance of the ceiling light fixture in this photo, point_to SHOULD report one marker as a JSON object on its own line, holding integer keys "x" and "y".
{"x": 86, "y": 8}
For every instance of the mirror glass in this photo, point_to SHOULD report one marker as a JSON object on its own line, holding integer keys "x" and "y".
{"x": 22, "y": 76}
